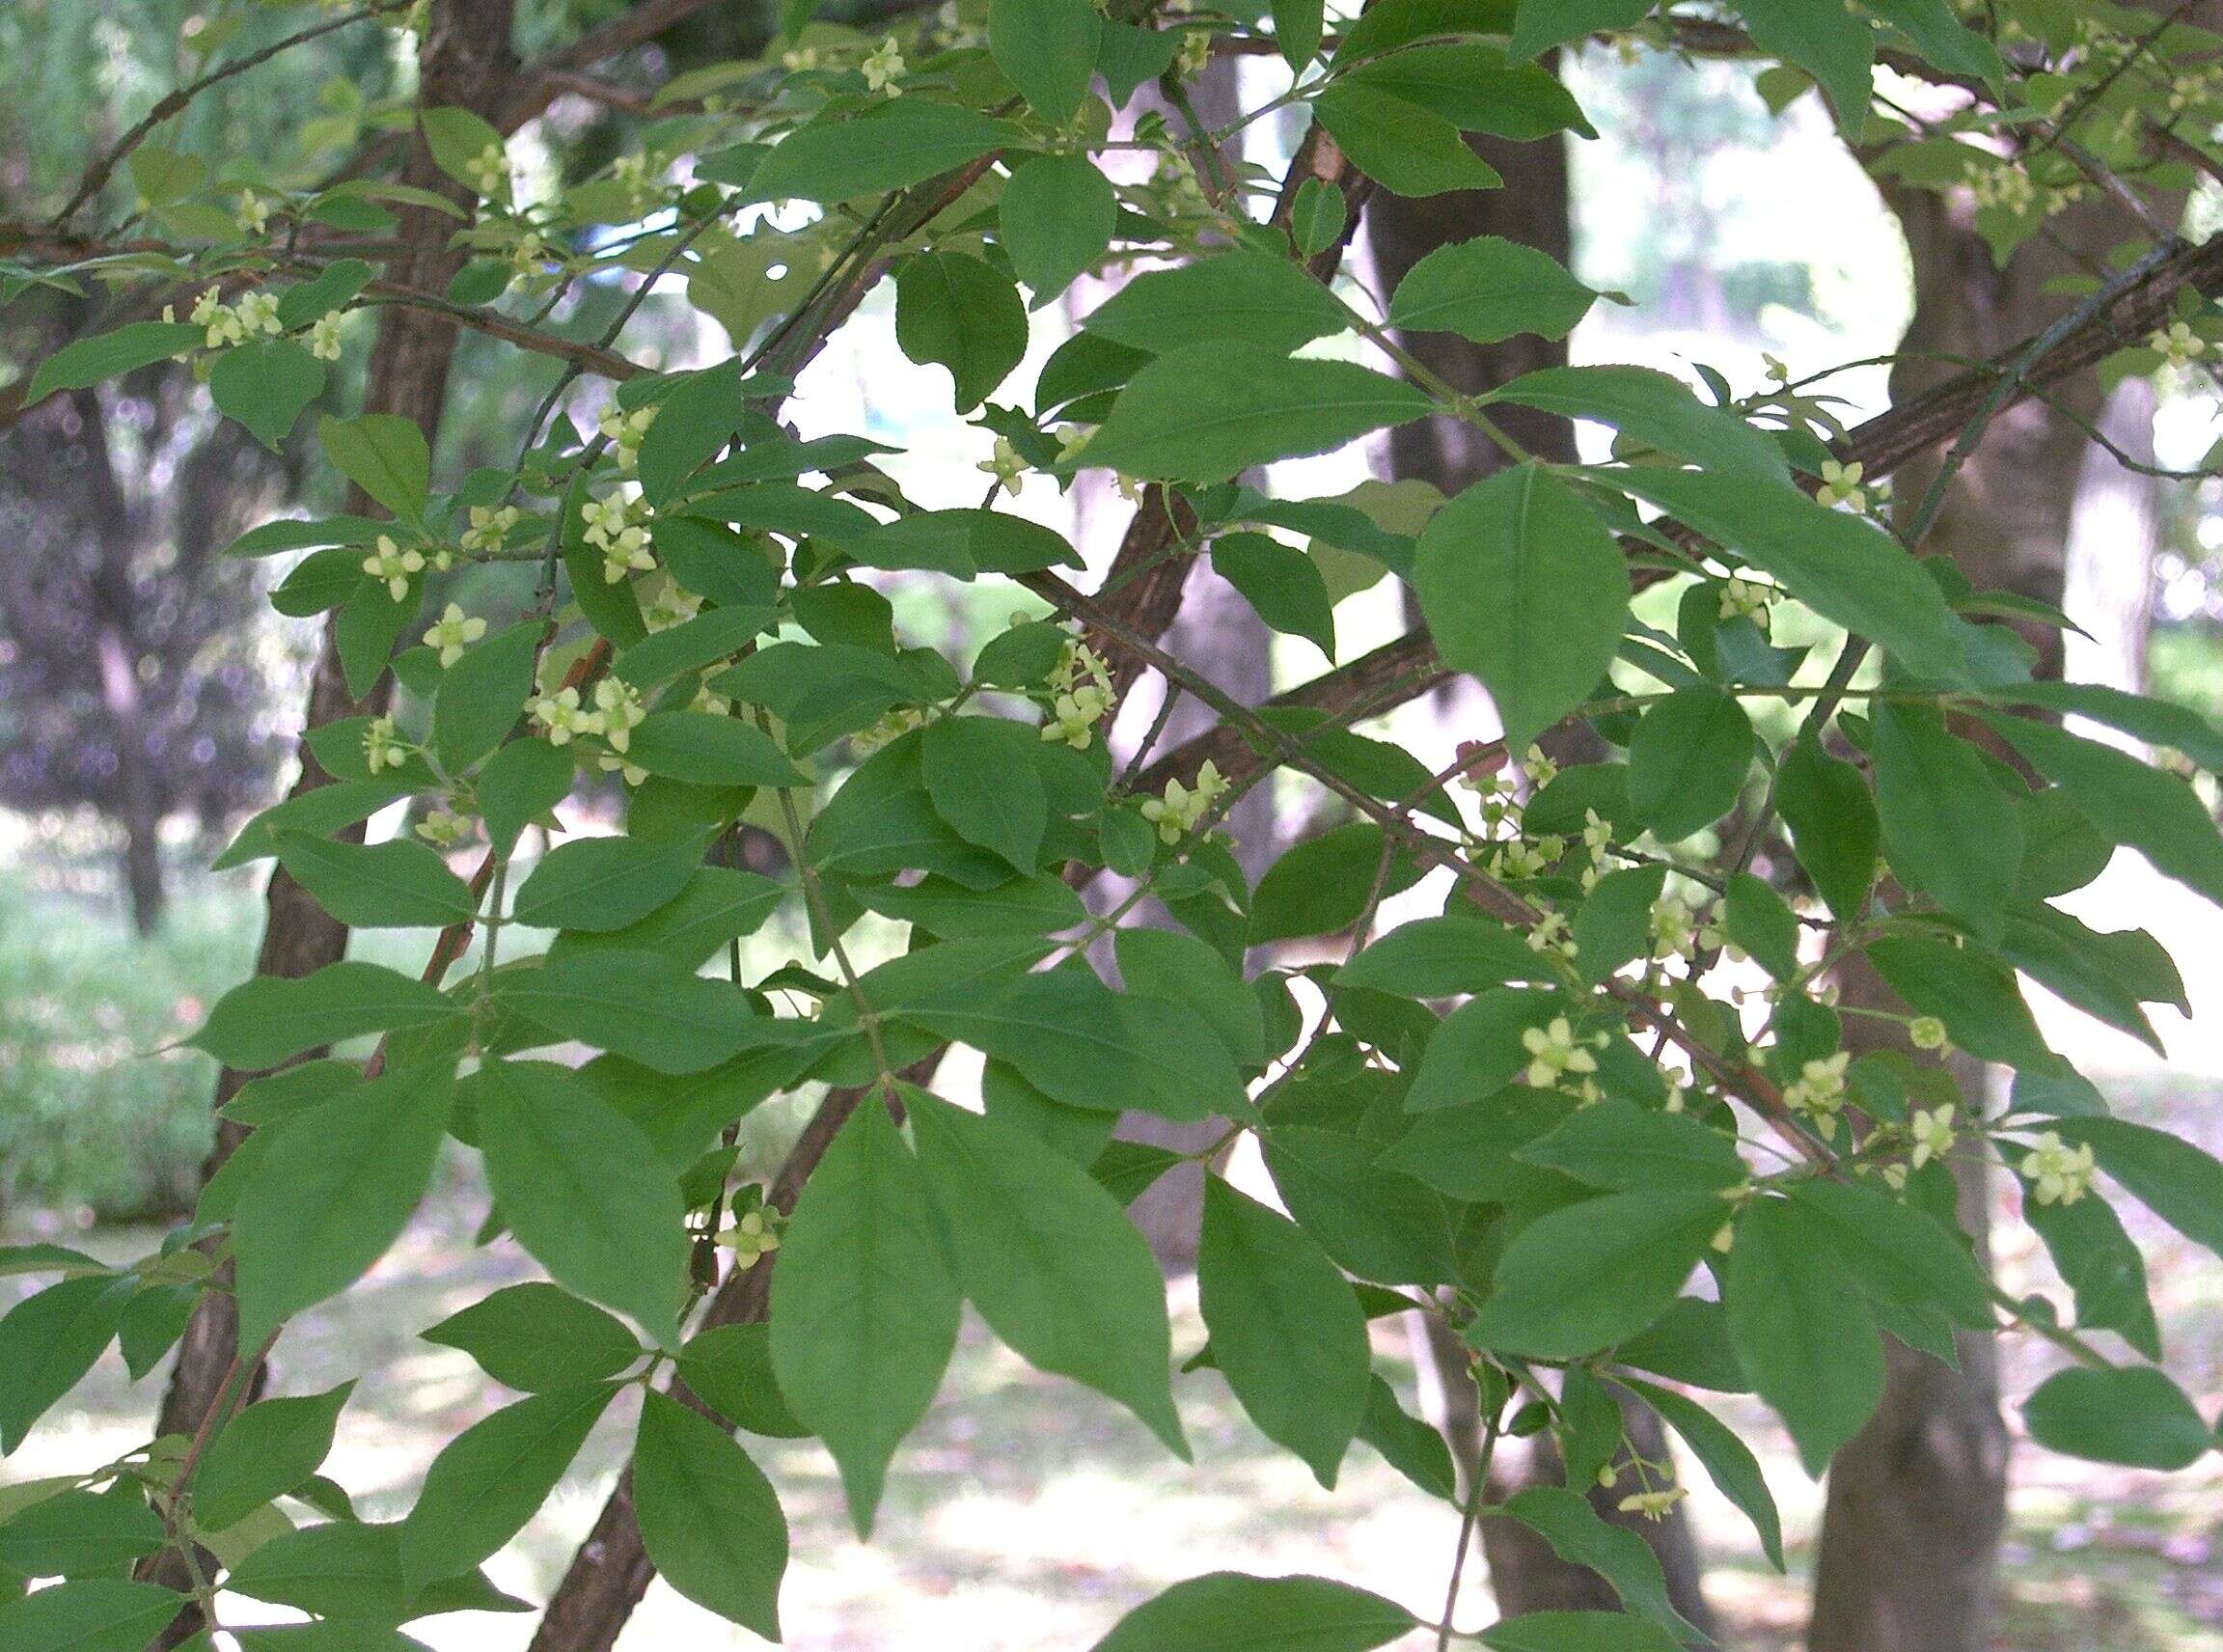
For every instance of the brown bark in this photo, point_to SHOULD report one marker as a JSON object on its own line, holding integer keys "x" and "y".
{"x": 1916, "y": 1502}
{"x": 1531, "y": 208}
{"x": 464, "y": 60}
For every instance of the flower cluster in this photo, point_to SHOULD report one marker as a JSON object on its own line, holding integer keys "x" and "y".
{"x": 2059, "y": 1173}
{"x": 754, "y": 1236}
{"x": 1080, "y": 697}
{"x": 383, "y": 747}
{"x": 1555, "y": 1053}
{"x": 1748, "y": 598}
{"x": 2177, "y": 344}
{"x": 489, "y": 172}
{"x": 1841, "y": 484}
{"x": 881, "y": 68}
{"x": 490, "y": 525}
{"x": 1005, "y": 465}
{"x": 454, "y": 632}
{"x": 625, "y": 430}
{"x": 1819, "y": 1092}
{"x": 255, "y": 314}
{"x": 618, "y": 528}
{"x": 1183, "y": 809}
{"x": 394, "y": 564}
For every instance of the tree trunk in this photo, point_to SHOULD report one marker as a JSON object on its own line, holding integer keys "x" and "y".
{"x": 464, "y": 60}
{"x": 1531, "y": 208}
{"x": 1222, "y": 636}
{"x": 1917, "y": 1501}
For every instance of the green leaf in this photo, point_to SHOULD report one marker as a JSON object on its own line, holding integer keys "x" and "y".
{"x": 48, "y": 1341}
{"x": 1373, "y": 1221}
{"x": 1317, "y": 219}
{"x": 332, "y": 1192}
{"x": 1970, "y": 991}
{"x": 1655, "y": 409}
{"x": 894, "y": 146}
{"x": 1523, "y": 587}
{"x": 639, "y": 1006}
{"x": 2156, "y": 722}
{"x": 980, "y": 771}
{"x": 1585, "y": 1277}
{"x": 1056, "y": 219}
{"x": 2179, "y": 1182}
{"x": 694, "y": 420}
{"x": 493, "y": 1477}
{"x": 1322, "y": 884}
{"x": 330, "y": 290}
{"x": 261, "y": 1022}
{"x": 536, "y": 1336}
{"x": 605, "y": 883}
{"x": 520, "y": 784}
{"x": 397, "y": 885}
{"x": 863, "y": 1311}
{"x": 1615, "y": 1143}
{"x": 1297, "y": 25}
{"x": 1842, "y": 568}
{"x": 1408, "y": 150}
{"x": 264, "y": 1452}
{"x": 1166, "y": 964}
{"x": 457, "y": 137}
{"x": 709, "y": 1519}
{"x": 718, "y": 904}
{"x": 2132, "y": 1415}
{"x": 1478, "y": 1051}
{"x": 961, "y": 313}
{"x": 265, "y": 386}
{"x": 1576, "y": 1630}
{"x": 1539, "y": 25}
{"x": 1801, "y": 1329}
{"x": 1283, "y": 584}
{"x": 584, "y": 1190}
{"x": 1948, "y": 827}
{"x": 109, "y": 355}
{"x": 79, "y": 1531}
{"x": 729, "y": 1368}
{"x": 1729, "y": 1462}
{"x": 1408, "y": 1445}
{"x": 1828, "y": 42}
{"x": 1578, "y": 1535}
{"x": 709, "y": 750}
{"x": 2099, "y": 1262}
{"x": 1204, "y": 413}
{"x": 2151, "y": 811}
{"x": 319, "y": 810}
{"x": 1286, "y": 1331}
{"x": 1046, "y": 48}
{"x": 1490, "y": 289}
{"x": 1049, "y": 1259}
{"x": 1079, "y": 1043}
{"x": 482, "y": 695}
{"x": 1437, "y": 957}
{"x": 1833, "y": 826}
{"x": 1240, "y": 295}
{"x": 383, "y": 455}
{"x": 1899, "y": 1254}
{"x": 1688, "y": 761}
{"x": 1222, "y": 1611}
{"x": 1755, "y": 918}
{"x": 353, "y": 1571}
{"x": 1470, "y": 85}
{"x": 91, "y": 1614}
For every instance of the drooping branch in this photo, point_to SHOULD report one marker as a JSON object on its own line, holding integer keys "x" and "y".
{"x": 1407, "y": 667}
